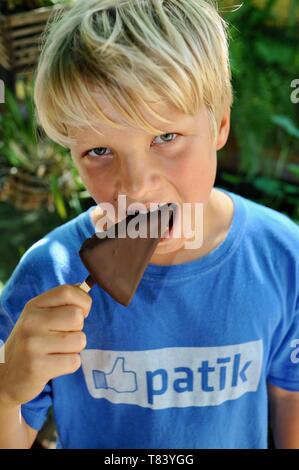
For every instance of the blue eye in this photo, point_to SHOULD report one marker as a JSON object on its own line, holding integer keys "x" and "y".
{"x": 97, "y": 154}
{"x": 168, "y": 141}
{"x": 103, "y": 154}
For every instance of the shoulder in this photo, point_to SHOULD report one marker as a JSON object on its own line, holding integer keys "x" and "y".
{"x": 270, "y": 248}
{"x": 60, "y": 245}
{"x": 270, "y": 228}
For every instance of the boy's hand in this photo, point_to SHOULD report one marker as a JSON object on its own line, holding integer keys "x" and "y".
{"x": 45, "y": 343}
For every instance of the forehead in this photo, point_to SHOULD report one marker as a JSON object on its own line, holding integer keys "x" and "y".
{"x": 162, "y": 108}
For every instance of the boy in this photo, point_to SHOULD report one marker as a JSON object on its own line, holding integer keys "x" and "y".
{"x": 210, "y": 335}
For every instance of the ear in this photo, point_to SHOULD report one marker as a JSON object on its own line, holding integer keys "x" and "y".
{"x": 223, "y": 130}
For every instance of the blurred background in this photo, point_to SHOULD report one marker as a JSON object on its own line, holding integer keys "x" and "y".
{"x": 39, "y": 187}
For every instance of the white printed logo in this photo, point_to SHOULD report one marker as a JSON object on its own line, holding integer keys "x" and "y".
{"x": 173, "y": 377}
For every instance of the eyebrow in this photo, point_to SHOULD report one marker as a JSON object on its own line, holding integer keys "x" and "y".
{"x": 182, "y": 126}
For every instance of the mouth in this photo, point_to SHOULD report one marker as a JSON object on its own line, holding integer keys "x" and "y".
{"x": 139, "y": 208}
{"x": 168, "y": 235}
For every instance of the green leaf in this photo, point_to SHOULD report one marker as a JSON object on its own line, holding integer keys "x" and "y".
{"x": 58, "y": 199}
{"x": 269, "y": 186}
{"x": 293, "y": 168}
{"x": 291, "y": 188}
{"x": 13, "y": 107}
{"x": 273, "y": 52}
{"x": 18, "y": 157}
{"x": 234, "y": 179}
{"x": 286, "y": 124}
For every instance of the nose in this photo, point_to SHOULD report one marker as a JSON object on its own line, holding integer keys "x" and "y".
{"x": 138, "y": 177}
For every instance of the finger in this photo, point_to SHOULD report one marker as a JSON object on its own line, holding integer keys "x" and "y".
{"x": 61, "y": 342}
{"x": 65, "y": 318}
{"x": 61, "y": 364}
{"x": 63, "y": 295}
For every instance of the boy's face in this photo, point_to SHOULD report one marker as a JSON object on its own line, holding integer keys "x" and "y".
{"x": 177, "y": 166}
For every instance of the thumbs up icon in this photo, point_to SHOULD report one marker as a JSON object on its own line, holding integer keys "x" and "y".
{"x": 118, "y": 379}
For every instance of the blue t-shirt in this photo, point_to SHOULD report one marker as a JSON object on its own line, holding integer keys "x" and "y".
{"x": 186, "y": 364}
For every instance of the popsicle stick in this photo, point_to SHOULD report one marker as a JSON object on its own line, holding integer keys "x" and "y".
{"x": 84, "y": 286}
{"x": 87, "y": 284}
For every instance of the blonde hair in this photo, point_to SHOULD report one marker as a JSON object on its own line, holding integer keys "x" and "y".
{"x": 132, "y": 52}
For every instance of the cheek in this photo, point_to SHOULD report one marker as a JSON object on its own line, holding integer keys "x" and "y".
{"x": 97, "y": 183}
{"x": 195, "y": 174}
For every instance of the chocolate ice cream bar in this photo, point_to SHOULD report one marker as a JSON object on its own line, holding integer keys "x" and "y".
{"x": 116, "y": 261}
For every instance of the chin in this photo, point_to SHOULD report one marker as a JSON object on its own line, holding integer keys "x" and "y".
{"x": 170, "y": 246}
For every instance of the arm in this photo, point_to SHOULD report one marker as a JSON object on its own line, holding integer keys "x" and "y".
{"x": 284, "y": 417}
{"x": 14, "y": 431}
{"x": 44, "y": 343}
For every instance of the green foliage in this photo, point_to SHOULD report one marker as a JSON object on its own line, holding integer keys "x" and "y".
{"x": 269, "y": 191}
{"x": 264, "y": 120}
{"x": 18, "y": 6}
{"x": 39, "y": 186}
{"x": 32, "y": 162}
{"x": 286, "y": 124}
{"x": 19, "y": 230}
{"x": 264, "y": 63}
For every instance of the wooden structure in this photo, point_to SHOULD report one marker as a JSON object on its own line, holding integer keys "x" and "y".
{"x": 20, "y": 38}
